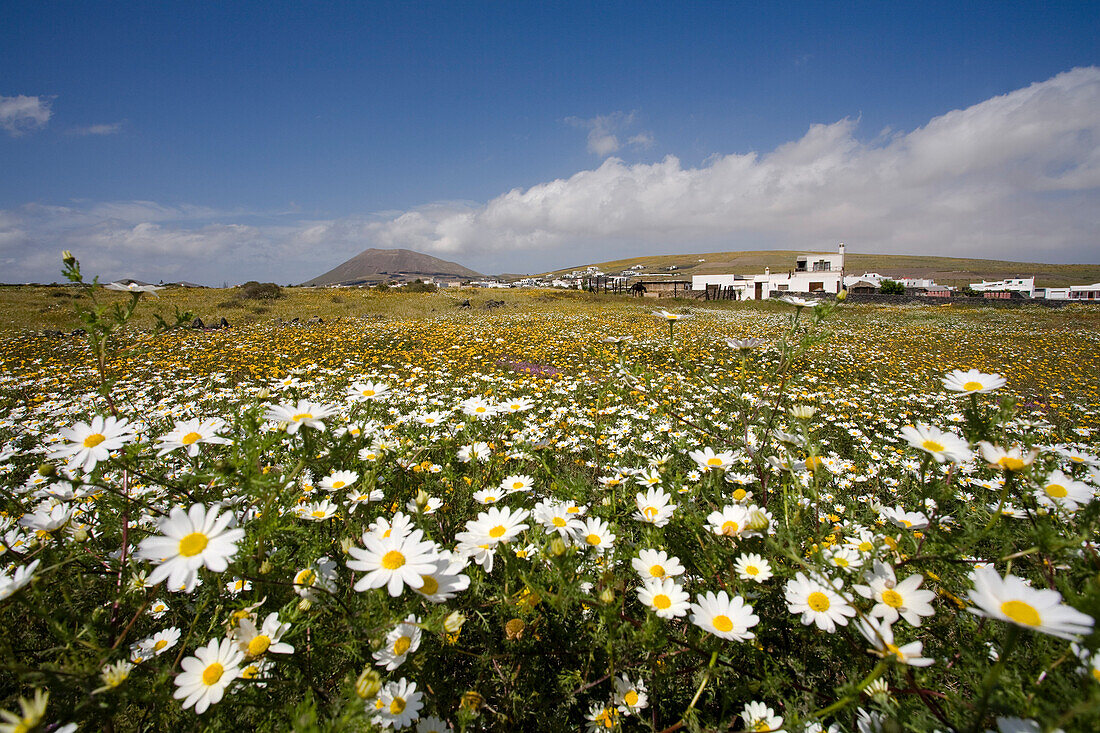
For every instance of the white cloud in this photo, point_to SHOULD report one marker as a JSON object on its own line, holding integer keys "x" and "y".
{"x": 22, "y": 114}
{"x": 1013, "y": 177}
{"x": 112, "y": 128}
{"x": 604, "y": 131}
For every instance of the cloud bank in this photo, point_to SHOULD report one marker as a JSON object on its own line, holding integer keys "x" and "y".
{"x": 1016, "y": 176}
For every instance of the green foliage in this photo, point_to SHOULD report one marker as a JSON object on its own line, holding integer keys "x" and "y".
{"x": 253, "y": 290}
{"x": 891, "y": 287}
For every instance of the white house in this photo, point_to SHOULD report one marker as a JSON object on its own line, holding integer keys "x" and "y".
{"x": 813, "y": 273}
{"x": 1084, "y": 292}
{"x": 1025, "y": 285}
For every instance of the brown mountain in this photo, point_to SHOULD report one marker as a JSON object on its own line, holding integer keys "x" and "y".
{"x": 381, "y": 265}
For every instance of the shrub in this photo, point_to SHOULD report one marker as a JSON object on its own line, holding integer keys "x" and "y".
{"x": 253, "y": 290}
{"x": 418, "y": 286}
{"x": 891, "y": 287}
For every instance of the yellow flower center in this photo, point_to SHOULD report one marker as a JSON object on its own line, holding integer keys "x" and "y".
{"x": 368, "y": 393}
{"x": 892, "y": 598}
{"x": 259, "y": 645}
{"x": 212, "y": 674}
{"x": 973, "y": 386}
{"x": 338, "y": 484}
{"x": 752, "y": 570}
{"x": 739, "y": 494}
{"x": 631, "y": 698}
{"x": 161, "y": 643}
{"x": 558, "y": 522}
{"x": 392, "y": 560}
{"x": 193, "y": 544}
{"x": 932, "y": 446}
{"x": 1056, "y": 490}
{"x": 302, "y": 416}
{"x": 431, "y": 585}
{"x": 723, "y": 623}
{"x": 517, "y": 485}
{"x": 730, "y": 528}
{"x": 841, "y": 562}
{"x": 397, "y": 706}
{"x": 1011, "y": 464}
{"x": 318, "y": 513}
{"x": 650, "y": 512}
{"x": 479, "y": 409}
{"x": 573, "y": 510}
{"x": 762, "y": 726}
{"x": 250, "y": 672}
{"x": 657, "y": 571}
{"x": 94, "y": 439}
{"x": 866, "y": 547}
{"x": 813, "y": 463}
{"x": 661, "y": 601}
{"x": 818, "y": 601}
{"x": 305, "y": 577}
{"x": 402, "y": 645}
{"x": 497, "y": 531}
{"x": 592, "y": 539}
{"x": 1022, "y": 613}
{"x": 716, "y": 461}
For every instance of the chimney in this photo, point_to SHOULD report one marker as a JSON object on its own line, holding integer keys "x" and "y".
{"x": 767, "y": 270}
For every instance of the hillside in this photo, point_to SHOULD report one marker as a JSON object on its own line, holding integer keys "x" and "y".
{"x": 944, "y": 270}
{"x": 381, "y": 265}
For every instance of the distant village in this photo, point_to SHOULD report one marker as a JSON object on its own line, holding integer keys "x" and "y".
{"x": 811, "y": 273}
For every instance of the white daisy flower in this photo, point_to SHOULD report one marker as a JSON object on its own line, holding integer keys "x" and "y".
{"x": 207, "y": 673}
{"x": 818, "y": 602}
{"x": 188, "y": 541}
{"x": 1011, "y": 599}
{"x": 972, "y": 381}
{"x": 90, "y": 443}
{"x": 664, "y": 597}
{"x": 725, "y": 617}
{"x": 656, "y": 564}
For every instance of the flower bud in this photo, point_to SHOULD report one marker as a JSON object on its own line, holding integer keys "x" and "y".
{"x": 48, "y": 470}
{"x": 346, "y": 544}
{"x": 471, "y": 701}
{"x": 67, "y": 257}
{"x": 842, "y": 295}
{"x": 758, "y": 521}
{"x": 368, "y": 684}
{"x": 514, "y": 629}
{"x": 803, "y": 412}
{"x": 265, "y": 567}
{"x": 453, "y": 622}
{"x": 557, "y": 547}
{"x": 263, "y": 394}
{"x": 607, "y": 596}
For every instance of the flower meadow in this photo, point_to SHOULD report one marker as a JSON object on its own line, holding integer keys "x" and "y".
{"x": 809, "y": 516}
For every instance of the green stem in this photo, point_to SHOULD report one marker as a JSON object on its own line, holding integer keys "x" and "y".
{"x": 990, "y": 681}
{"x": 852, "y": 696}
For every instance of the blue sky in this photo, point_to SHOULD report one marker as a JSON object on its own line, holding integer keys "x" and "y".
{"x": 233, "y": 141}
